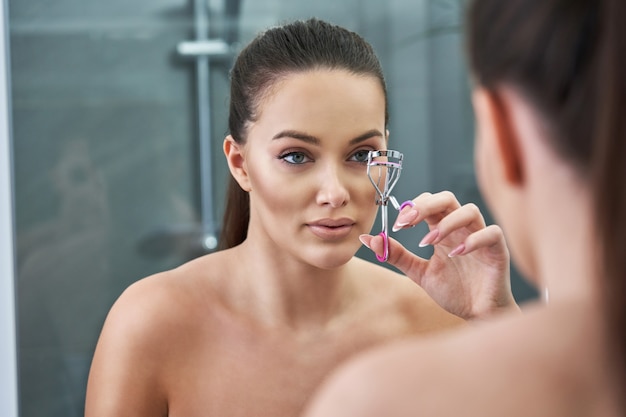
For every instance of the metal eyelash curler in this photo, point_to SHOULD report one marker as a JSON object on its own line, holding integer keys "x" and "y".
{"x": 383, "y": 170}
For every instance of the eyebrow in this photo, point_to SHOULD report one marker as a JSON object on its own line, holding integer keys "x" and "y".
{"x": 305, "y": 137}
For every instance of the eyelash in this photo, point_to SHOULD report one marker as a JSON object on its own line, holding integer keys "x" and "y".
{"x": 283, "y": 157}
{"x": 365, "y": 151}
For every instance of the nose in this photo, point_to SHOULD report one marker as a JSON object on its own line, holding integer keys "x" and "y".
{"x": 333, "y": 190}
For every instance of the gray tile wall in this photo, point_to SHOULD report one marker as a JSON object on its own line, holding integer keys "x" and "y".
{"x": 106, "y": 154}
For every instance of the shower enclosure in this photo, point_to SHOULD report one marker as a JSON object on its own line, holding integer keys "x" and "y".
{"x": 118, "y": 111}
{"x": 116, "y": 123}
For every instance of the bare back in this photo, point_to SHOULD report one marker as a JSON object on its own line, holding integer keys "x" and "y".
{"x": 181, "y": 344}
{"x": 552, "y": 362}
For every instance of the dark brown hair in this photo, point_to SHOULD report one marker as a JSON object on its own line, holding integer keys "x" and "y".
{"x": 299, "y": 46}
{"x": 568, "y": 57}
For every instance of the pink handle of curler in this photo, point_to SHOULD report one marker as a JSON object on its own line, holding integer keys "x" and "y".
{"x": 407, "y": 203}
{"x": 385, "y": 248}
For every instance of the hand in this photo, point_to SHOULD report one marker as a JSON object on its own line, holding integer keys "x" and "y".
{"x": 468, "y": 273}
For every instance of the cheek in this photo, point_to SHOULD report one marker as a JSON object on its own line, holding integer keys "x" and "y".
{"x": 275, "y": 191}
{"x": 280, "y": 195}
{"x": 479, "y": 159}
{"x": 364, "y": 197}
{"x": 482, "y": 158}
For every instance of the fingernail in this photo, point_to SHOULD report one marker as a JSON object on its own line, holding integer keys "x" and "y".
{"x": 429, "y": 238}
{"x": 404, "y": 218}
{"x": 364, "y": 241}
{"x": 457, "y": 251}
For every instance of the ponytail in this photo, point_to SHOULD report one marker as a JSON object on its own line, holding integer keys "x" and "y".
{"x": 236, "y": 216}
{"x": 608, "y": 176}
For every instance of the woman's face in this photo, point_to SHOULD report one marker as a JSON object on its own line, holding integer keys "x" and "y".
{"x": 501, "y": 193}
{"x": 305, "y": 159}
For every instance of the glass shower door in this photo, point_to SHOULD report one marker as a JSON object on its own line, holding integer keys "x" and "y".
{"x": 106, "y": 162}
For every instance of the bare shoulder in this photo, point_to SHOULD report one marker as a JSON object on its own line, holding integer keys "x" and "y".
{"x": 471, "y": 372}
{"x": 157, "y": 305}
{"x": 146, "y": 327}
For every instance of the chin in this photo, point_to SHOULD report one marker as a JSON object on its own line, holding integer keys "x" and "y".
{"x": 332, "y": 257}
{"x": 525, "y": 266}
{"x": 332, "y": 262}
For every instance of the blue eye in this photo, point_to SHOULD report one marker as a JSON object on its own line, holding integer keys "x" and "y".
{"x": 360, "y": 156}
{"x": 295, "y": 158}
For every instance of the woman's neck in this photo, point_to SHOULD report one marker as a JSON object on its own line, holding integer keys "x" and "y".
{"x": 282, "y": 290}
{"x": 563, "y": 238}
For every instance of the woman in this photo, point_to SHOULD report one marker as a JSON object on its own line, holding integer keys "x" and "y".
{"x": 253, "y": 329}
{"x": 550, "y": 106}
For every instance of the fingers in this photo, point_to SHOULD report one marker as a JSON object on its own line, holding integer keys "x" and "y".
{"x": 445, "y": 215}
{"x": 468, "y": 217}
{"x": 428, "y": 207}
{"x": 489, "y": 237}
{"x": 403, "y": 259}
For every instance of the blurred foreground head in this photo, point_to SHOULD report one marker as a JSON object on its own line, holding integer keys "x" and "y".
{"x": 568, "y": 59}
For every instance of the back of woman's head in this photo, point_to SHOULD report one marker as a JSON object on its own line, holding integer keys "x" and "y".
{"x": 296, "y": 47}
{"x": 568, "y": 57}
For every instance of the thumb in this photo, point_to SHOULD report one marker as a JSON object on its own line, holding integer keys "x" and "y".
{"x": 407, "y": 262}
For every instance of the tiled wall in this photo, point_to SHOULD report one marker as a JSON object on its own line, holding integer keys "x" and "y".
{"x": 106, "y": 152}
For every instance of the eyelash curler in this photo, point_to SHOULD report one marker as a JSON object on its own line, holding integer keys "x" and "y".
{"x": 383, "y": 170}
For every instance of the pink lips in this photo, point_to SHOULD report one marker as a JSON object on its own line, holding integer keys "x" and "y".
{"x": 331, "y": 229}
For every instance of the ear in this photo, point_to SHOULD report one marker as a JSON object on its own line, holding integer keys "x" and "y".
{"x": 493, "y": 114}
{"x": 237, "y": 162}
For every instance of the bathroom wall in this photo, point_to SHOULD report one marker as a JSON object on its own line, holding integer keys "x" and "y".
{"x": 106, "y": 153}
{"x": 8, "y": 348}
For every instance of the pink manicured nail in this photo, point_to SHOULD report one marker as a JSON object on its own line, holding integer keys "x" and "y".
{"x": 404, "y": 218}
{"x": 407, "y": 203}
{"x": 365, "y": 242}
{"x": 457, "y": 251}
{"x": 429, "y": 238}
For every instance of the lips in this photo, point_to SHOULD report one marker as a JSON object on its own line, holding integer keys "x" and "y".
{"x": 331, "y": 229}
